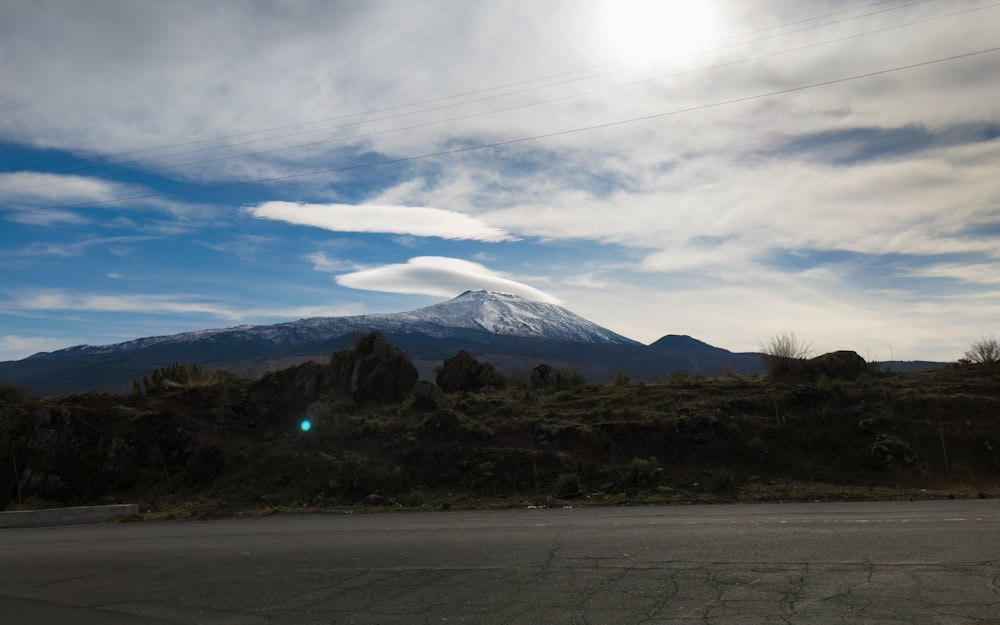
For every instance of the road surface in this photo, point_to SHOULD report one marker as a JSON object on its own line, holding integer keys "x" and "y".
{"x": 845, "y": 564}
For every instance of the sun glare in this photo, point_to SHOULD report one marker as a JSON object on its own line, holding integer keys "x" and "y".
{"x": 650, "y": 30}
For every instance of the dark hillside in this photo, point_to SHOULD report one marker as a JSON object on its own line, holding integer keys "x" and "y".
{"x": 224, "y": 443}
{"x": 682, "y": 342}
{"x": 79, "y": 371}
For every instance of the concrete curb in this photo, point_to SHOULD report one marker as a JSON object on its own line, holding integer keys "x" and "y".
{"x": 67, "y": 516}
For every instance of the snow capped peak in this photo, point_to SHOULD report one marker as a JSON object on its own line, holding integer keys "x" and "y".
{"x": 482, "y": 295}
{"x": 485, "y": 293}
{"x": 511, "y": 315}
{"x": 503, "y": 314}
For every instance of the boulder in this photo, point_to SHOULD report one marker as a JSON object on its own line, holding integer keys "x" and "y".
{"x": 840, "y": 365}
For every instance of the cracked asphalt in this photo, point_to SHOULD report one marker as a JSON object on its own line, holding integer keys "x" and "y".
{"x": 830, "y": 563}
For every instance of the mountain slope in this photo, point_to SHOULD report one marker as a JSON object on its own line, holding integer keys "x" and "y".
{"x": 512, "y": 332}
{"x": 496, "y": 313}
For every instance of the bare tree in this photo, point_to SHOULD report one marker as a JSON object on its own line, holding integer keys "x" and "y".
{"x": 984, "y": 350}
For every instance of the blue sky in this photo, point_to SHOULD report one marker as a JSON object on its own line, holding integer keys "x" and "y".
{"x": 731, "y": 170}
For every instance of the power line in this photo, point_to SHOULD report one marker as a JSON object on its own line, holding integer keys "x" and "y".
{"x": 495, "y": 144}
{"x": 530, "y": 104}
{"x": 484, "y": 113}
{"x": 441, "y": 99}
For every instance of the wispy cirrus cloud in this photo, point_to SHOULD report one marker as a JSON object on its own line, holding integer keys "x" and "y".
{"x": 853, "y": 145}
{"x": 438, "y": 275}
{"x": 39, "y": 198}
{"x": 918, "y": 206}
{"x": 684, "y": 213}
{"x": 63, "y": 300}
{"x": 244, "y": 246}
{"x": 419, "y": 221}
{"x": 971, "y": 273}
{"x": 47, "y": 217}
{"x": 35, "y": 188}
{"x": 322, "y": 262}
{"x": 69, "y": 249}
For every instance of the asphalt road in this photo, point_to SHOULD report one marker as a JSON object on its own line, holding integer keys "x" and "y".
{"x": 846, "y": 564}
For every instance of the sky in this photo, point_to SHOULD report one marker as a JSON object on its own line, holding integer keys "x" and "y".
{"x": 728, "y": 169}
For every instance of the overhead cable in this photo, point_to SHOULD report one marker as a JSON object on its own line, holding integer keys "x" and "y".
{"x": 496, "y": 144}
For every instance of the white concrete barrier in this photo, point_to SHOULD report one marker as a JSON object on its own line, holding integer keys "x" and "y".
{"x": 67, "y": 516}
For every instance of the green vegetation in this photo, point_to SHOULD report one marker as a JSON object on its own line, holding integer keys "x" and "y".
{"x": 462, "y": 372}
{"x": 191, "y": 442}
{"x": 175, "y": 376}
{"x": 643, "y": 473}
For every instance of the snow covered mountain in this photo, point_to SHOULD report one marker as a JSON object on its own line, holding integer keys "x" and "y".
{"x": 507, "y": 315}
{"x": 495, "y": 313}
{"x": 511, "y": 332}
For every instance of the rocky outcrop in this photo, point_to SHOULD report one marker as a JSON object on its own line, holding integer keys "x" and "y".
{"x": 462, "y": 372}
{"x": 840, "y": 365}
{"x": 373, "y": 371}
{"x": 288, "y": 392}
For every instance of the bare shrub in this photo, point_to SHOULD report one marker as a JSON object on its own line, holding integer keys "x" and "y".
{"x": 985, "y": 350}
{"x": 784, "y": 353}
{"x": 620, "y": 380}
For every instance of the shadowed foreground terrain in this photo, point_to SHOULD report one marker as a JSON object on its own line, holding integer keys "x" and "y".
{"x": 190, "y": 442}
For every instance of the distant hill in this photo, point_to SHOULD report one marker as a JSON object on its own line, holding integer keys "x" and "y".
{"x": 682, "y": 342}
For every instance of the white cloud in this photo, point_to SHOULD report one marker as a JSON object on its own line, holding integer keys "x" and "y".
{"x": 28, "y": 196}
{"x": 15, "y": 347}
{"x": 437, "y": 275}
{"x": 586, "y": 280}
{"x": 133, "y": 87}
{"x": 741, "y": 316}
{"x": 727, "y": 258}
{"x": 322, "y": 262}
{"x": 972, "y": 273}
{"x": 71, "y": 249}
{"x": 40, "y": 188}
{"x": 921, "y": 205}
{"x": 30, "y": 302}
{"x": 245, "y": 246}
{"x": 47, "y": 217}
{"x": 704, "y": 194}
{"x": 404, "y": 220}
{"x": 56, "y": 299}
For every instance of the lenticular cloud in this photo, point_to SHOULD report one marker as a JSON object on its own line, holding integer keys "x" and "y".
{"x": 438, "y": 275}
{"x": 420, "y": 221}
